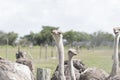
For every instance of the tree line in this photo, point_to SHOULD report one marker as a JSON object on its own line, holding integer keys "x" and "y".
{"x": 69, "y": 37}
{"x": 8, "y": 38}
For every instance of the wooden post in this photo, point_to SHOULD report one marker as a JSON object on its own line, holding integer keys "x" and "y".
{"x": 6, "y": 48}
{"x": 46, "y": 50}
{"x": 40, "y": 51}
{"x": 52, "y": 51}
{"x": 43, "y": 74}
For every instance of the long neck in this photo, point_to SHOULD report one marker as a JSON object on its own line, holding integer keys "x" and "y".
{"x": 72, "y": 73}
{"x": 115, "y": 67}
{"x": 60, "y": 48}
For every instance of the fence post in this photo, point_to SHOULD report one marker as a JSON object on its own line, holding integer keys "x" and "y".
{"x": 6, "y": 48}
{"x": 52, "y": 51}
{"x": 43, "y": 74}
{"x": 40, "y": 51}
{"x": 46, "y": 51}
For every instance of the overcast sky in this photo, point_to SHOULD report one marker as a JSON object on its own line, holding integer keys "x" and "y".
{"x": 23, "y": 16}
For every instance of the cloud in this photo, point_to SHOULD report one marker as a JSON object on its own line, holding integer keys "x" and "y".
{"x": 24, "y": 16}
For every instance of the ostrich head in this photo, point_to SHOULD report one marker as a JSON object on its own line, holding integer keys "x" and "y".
{"x": 116, "y": 31}
{"x": 57, "y": 35}
{"x": 20, "y": 55}
{"x": 72, "y": 52}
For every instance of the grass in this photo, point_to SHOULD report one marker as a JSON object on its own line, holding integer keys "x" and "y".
{"x": 101, "y": 58}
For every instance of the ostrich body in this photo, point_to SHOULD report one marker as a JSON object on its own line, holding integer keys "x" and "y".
{"x": 14, "y": 71}
{"x": 93, "y": 74}
{"x": 26, "y": 62}
{"x": 78, "y": 66}
{"x": 71, "y": 53}
{"x": 21, "y": 58}
{"x": 60, "y": 48}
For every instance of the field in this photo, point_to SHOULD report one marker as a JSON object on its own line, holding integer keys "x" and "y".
{"x": 99, "y": 57}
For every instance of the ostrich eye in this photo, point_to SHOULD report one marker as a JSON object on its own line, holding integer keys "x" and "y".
{"x": 69, "y": 51}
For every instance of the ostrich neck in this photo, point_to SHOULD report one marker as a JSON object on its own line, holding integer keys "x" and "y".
{"x": 115, "y": 67}
{"x": 72, "y": 74}
{"x": 60, "y": 48}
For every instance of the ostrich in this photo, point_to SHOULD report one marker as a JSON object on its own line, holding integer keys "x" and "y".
{"x": 93, "y": 74}
{"x": 115, "y": 72}
{"x": 20, "y": 54}
{"x": 62, "y": 71}
{"x": 14, "y": 71}
{"x": 79, "y": 67}
{"x": 21, "y": 58}
{"x": 59, "y": 43}
{"x": 71, "y": 53}
{"x": 115, "y": 67}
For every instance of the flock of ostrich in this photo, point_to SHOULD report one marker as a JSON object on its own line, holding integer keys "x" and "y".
{"x": 70, "y": 69}
{"x": 73, "y": 73}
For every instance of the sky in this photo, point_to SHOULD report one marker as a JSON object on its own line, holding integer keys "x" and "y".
{"x": 24, "y": 16}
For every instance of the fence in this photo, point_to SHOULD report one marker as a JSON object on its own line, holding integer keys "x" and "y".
{"x": 36, "y": 52}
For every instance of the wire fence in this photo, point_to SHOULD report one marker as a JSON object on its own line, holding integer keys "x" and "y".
{"x": 35, "y": 52}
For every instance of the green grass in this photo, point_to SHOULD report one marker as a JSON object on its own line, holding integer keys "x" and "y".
{"x": 98, "y": 58}
{"x": 101, "y": 58}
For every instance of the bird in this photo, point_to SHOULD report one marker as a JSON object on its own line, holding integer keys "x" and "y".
{"x": 57, "y": 35}
{"x": 78, "y": 65}
{"x": 83, "y": 73}
{"x": 62, "y": 71}
{"x": 14, "y": 71}
{"x": 115, "y": 72}
{"x": 21, "y": 58}
{"x": 71, "y": 53}
{"x": 93, "y": 74}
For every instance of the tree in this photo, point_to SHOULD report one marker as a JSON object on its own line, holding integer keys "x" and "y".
{"x": 11, "y": 36}
{"x": 38, "y": 38}
{"x": 45, "y": 34}
{"x": 72, "y": 36}
{"x": 30, "y": 37}
{"x": 98, "y": 38}
{"x": 8, "y": 37}
{"x": 2, "y": 38}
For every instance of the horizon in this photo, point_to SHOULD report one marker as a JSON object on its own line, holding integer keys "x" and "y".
{"x": 19, "y": 35}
